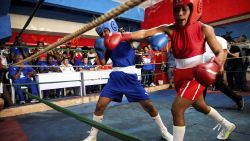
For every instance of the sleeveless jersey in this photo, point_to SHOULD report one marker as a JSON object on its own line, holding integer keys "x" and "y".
{"x": 188, "y": 42}
{"x": 123, "y": 55}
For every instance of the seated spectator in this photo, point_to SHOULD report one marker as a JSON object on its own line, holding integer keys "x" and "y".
{"x": 53, "y": 67}
{"x": 67, "y": 68}
{"x": 4, "y": 82}
{"x": 42, "y": 59}
{"x": 87, "y": 65}
{"x": 78, "y": 56}
{"x": 57, "y": 54}
{"x": 5, "y": 56}
{"x": 17, "y": 50}
{"x": 21, "y": 75}
{"x": 92, "y": 56}
{"x": 68, "y": 53}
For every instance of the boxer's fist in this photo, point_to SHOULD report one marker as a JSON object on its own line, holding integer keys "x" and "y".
{"x": 206, "y": 73}
{"x": 158, "y": 41}
{"x": 100, "y": 48}
{"x": 113, "y": 39}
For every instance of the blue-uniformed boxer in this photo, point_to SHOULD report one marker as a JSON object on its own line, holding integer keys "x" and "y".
{"x": 123, "y": 80}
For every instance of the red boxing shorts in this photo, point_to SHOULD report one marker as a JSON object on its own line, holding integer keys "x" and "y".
{"x": 185, "y": 84}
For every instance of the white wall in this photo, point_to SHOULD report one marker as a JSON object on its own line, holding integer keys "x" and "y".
{"x": 38, "y": 24}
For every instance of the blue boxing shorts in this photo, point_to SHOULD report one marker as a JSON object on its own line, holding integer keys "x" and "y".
{"x": 121, "y": 83}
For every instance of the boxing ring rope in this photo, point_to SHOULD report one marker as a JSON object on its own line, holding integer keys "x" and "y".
{"x": 107, "y": 16}
{"x": 114, "y": 132}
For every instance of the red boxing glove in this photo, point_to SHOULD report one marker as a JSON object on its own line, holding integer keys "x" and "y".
{"x": 113, "y": 39}
{"x": 206, "y": 73}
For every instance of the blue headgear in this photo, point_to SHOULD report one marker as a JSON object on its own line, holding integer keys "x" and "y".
{"x": 111, "y": 25}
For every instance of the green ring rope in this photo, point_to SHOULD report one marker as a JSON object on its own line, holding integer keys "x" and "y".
{"x": 111, "y": 131}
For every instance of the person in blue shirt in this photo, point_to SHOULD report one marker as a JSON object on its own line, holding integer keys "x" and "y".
{"x": 21, "y": 75}
{"x": 87, "y": 66}
{"x": 148, "y": 68}
{"x": 17, "y": 50}
{"x": 53, "y": 67}
{"x": 123, "y": 80}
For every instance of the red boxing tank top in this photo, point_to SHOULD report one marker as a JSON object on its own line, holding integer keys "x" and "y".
{"x": 188, "y": 41}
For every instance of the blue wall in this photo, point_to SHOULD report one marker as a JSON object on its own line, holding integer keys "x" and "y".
{"x": 96, "y": 7}
{"x": 237, "y": 29}
{"x": 60, "y": 13}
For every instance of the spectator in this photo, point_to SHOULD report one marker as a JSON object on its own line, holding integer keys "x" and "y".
{"x": 244, "y": 47}
{"x": 92, "y": 56}
{"x": 138, "y": 58}
{"x": 42, "y": 59}
{"x": 17, "y": 50}
{"x": 170, "y": 65}
{"x": 234, "y": 67}
{"x": 4, "y": 93}
{"x": 53, "y": 67}
{"x": 87, "y": 66}
{"x": 66, "y": 67}
{"x": 148, "y": 68}
{"x": 21, "y": 75}
{"x": 78, "y": 56}
{"x": 68, "y": 53}
{"x": 5, "y": 56}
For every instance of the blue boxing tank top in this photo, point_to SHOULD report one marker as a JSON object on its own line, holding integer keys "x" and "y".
{"x": 123, "y": 55}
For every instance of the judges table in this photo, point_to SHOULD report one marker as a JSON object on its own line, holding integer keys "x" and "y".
{"x": 48, "y": 81}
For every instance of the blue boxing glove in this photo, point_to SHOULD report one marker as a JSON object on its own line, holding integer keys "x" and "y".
{"x": 158, "y": 41}
{"x": 100, "y": 48}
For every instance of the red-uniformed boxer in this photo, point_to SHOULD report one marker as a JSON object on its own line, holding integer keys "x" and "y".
{"x": 188, "y": 36}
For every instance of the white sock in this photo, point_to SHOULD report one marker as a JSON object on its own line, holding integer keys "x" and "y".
{"x": 160, "y": 124}
{"x": 215, "y": 115}
{"x": 94, "y": 131}
{"x": 178, "y": 133}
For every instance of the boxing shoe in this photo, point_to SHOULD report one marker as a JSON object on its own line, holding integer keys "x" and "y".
{"x": 225, "y": 128}
{"x": 90, "y": 138}
{"x": 92, "y": 135}
{"x": 166, "y": 135}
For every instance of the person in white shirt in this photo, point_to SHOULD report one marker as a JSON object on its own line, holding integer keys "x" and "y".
{"x": 92, "y": 56}
{"x": 66, "y": 66}
{"x": 219, "y": 84}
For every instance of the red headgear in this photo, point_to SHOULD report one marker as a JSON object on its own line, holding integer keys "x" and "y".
{"x": 196, "y": 8}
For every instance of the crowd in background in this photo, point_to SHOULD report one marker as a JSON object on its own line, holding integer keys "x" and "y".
{"x": 85, "y": 59}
